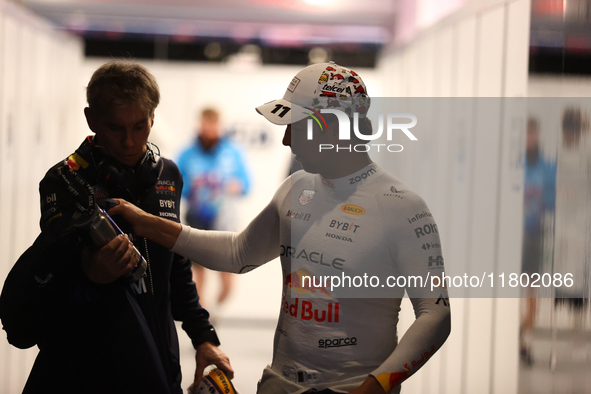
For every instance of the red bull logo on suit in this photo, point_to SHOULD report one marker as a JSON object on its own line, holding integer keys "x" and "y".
{"x": 295, "y": 281}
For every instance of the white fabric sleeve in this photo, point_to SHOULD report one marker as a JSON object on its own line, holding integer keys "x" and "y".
{"x": 235, "y": 252}
{"x": 433, "y": 319}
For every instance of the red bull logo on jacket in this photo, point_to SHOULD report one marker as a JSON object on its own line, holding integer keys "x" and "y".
{"x": 75, "y": 161}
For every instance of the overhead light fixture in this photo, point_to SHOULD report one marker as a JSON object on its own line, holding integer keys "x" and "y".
{"x": 213, "y": 50}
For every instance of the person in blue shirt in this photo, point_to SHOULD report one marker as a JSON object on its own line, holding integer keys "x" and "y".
{"x": 539, "y": 201}
{"x": 540, "y": 189}
{"x": 213, "y": 170}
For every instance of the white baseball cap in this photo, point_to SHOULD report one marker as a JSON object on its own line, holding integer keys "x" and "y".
{"x": 322, "y": 85}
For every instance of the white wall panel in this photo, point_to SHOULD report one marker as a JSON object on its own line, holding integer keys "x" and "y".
{"x": 44, "y": 125}
{"x": 3, "y": 143}
{"x": 490, "y": 53}
{"x": 395, "y": 72}
{"x": 9, "y": 108}
{"x": 72, "y": 96}
{"x": 414, "y": 78}
{"x": 390, "y": 68}
{"x": 27, "y": 102}
{"x": 406, "y": 76}
{"x": 506, "y": 311}
{"x": 465, "y": 51}
{"x": 23, "y": 139}
{"x": 425, "y": 65}
{"x": 506, "y": 337}
{"x": 455, "y": 239}
{"x": 22, "y": 197}
{"x": 517, "y": 49}
{"x": 443, "y": 63}
{"x": 4, "y": 346}
{"x": 483, "y": 223}
{"x": 440, "y": 208}
{"x": 482, "y": 236}
{"x": 32, "y": 150}
{"x": 9, "y": 163}
{"x": 435, "y": 372}
{"x": 479, "y": 52}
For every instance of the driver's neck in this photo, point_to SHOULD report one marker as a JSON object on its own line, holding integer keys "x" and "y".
{"x": 345, "y": 163}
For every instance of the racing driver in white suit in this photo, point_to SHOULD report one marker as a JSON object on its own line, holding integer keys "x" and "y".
{"x": 342, "y": 219}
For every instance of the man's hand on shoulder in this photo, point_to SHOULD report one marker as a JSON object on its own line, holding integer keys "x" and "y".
{"x": 210, "y": 354}
{"x": 138, "y": 218}
{"x": 369, "y": 386}
{"x": 110, "y": 262}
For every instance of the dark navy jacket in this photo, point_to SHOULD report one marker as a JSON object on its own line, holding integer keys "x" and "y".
{"x": 94, "y": 338}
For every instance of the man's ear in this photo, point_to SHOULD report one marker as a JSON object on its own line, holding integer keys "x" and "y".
{"x": 90, "y": 119}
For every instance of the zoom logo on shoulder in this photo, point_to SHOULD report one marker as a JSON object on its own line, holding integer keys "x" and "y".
{"x": 337, "y": 342}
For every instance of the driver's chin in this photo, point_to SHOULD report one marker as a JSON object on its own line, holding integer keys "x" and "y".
{"x": 309, "y": 167}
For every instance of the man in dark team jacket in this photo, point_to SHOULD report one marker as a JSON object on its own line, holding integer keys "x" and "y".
{"x": 97, "y": 330}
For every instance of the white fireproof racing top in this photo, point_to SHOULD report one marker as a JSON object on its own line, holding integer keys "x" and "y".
{"x": 368, "y": 227}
